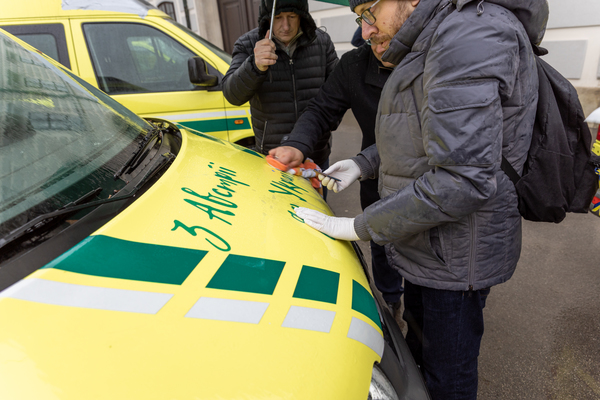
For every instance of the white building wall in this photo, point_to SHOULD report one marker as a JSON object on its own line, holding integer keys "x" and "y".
{"x": 338, "y": 21}
{"x": 573, "y": 40}
{"x": 575, "y": 52}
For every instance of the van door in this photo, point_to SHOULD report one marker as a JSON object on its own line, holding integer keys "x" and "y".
{"x": 147, "y": 71}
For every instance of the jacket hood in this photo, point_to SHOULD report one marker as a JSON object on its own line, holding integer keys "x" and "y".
{"x": 300, "y": 7}
{"x": 533, "y": 14}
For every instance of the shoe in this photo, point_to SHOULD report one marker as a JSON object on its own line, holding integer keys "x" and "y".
{"x": 394, "y": 307}
{"x": 397, "y": 314}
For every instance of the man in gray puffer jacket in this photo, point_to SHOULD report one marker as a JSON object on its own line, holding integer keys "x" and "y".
{"x": 464, "y": 93}
{"x": 279, "y": 77}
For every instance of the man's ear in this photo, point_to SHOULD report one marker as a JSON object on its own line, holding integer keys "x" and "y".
{"x": 415, "y": 3}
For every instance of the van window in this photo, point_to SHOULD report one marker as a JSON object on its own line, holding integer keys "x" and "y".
{"x": 136, "y": 58}
{"x": 48, "y": 38}
{"x": 43, "y": 42}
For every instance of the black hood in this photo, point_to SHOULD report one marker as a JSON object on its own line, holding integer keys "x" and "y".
{"x": 300, "y": 7}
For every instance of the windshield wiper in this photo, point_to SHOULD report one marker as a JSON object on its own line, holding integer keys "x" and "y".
{"x": 151, "y": 138}
{"x": 41, "y": 222}
{"x": 47, "y": 221}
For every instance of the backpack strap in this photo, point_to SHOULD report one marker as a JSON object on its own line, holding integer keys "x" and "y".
{"x": 505, "y": 165}
{"x": 509, "y": 171}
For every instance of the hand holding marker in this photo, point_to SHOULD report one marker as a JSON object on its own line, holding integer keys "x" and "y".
{"x": 308, "y": 169}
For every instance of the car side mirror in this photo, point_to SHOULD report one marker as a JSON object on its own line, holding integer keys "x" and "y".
{"x": 198, "y": 71}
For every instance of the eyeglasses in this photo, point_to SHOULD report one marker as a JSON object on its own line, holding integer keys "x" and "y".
{"x": 367, "y": 16}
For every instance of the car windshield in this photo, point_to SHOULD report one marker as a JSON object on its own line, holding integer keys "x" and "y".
{"x": 60, "y": 138}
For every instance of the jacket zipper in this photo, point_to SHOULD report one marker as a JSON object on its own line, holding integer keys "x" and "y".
{"x": 262, "y": 141}
{"x": 471, "y": 271}
{"x": 294, "y": 86}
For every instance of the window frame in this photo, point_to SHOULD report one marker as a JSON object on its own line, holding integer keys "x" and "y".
{"x": 171, "y": 13}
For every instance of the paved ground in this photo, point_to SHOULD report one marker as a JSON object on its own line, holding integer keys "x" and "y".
{"x": 542, "y": 338}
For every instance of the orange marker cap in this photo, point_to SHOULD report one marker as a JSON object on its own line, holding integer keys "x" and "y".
{"x": 276, "y": 164}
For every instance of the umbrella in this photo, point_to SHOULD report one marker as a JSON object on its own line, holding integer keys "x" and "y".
{"x": 594, "y": 117}
{"x": 272, "y": 19}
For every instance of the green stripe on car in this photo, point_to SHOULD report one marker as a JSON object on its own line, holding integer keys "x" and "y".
{"x": 247, "y": 274}
{"x": 364, "y": 303}
{"x": 317, "y": 284}
{"x": 115, "y": 258}
{"x": 217, "y": 125}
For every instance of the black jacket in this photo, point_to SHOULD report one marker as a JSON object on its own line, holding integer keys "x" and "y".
{"x": 356, "y": 84}
{"x": 279, "y": 95}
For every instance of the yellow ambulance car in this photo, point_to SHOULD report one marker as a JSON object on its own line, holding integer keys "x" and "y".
{"x": 142, "y": 260}
{"x": 139, "y": 56}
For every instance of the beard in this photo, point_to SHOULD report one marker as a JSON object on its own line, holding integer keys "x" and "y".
{"x": 402, "y": 13}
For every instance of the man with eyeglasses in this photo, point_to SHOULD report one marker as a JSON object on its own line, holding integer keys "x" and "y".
{"x": 355, "y": 84}
{"x": 463, "y": 94}
{"x": 279, "y": 72}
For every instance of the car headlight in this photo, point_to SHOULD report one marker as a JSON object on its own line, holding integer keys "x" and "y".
{"x": 381, "y": 387}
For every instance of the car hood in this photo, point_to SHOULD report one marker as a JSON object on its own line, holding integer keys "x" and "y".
{"x": 206, "y": 287}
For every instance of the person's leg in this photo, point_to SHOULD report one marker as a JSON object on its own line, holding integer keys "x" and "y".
{"x": 413, "y": 315}
{"x": 387, "y": 279}
{"x": 452, "y": 331}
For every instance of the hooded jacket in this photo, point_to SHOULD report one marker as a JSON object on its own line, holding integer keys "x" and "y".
{"x": 279, "y": 95}
{"x": 464, "y": 93}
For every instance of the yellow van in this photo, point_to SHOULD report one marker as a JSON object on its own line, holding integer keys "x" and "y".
{"x": 139, "y": 56}
{"x": 142, "y": 260}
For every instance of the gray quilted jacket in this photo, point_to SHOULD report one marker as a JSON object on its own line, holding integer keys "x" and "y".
{"x": 463, "y": 94}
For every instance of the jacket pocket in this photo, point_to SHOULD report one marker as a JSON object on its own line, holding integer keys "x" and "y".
{"x": 463, "y": 96}
{"x": 463, "y": 124}
{"x": 435, "y": 241}
{"x": 420, "y": 250}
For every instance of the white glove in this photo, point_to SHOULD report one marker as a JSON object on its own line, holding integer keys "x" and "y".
{"x": 336, "y": 227}
{"x": 346, "y": 170}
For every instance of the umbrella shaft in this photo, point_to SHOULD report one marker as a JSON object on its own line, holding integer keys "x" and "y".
{"x": 272, "y": 18}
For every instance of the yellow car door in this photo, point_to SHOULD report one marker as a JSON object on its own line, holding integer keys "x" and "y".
{"x": 145, "y": 67}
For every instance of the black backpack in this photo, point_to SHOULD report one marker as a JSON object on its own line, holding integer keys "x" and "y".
{"x": 559, "y": 174}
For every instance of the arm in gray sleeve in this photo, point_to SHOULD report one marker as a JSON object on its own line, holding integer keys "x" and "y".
{"x": 368, "y": 161}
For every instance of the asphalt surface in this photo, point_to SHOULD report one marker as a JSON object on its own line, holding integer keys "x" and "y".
{"x": 542, "y": 327}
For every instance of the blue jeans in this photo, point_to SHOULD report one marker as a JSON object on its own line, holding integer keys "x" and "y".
{"x": 387, "y": 280}
{"x": 444, "y": 335}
